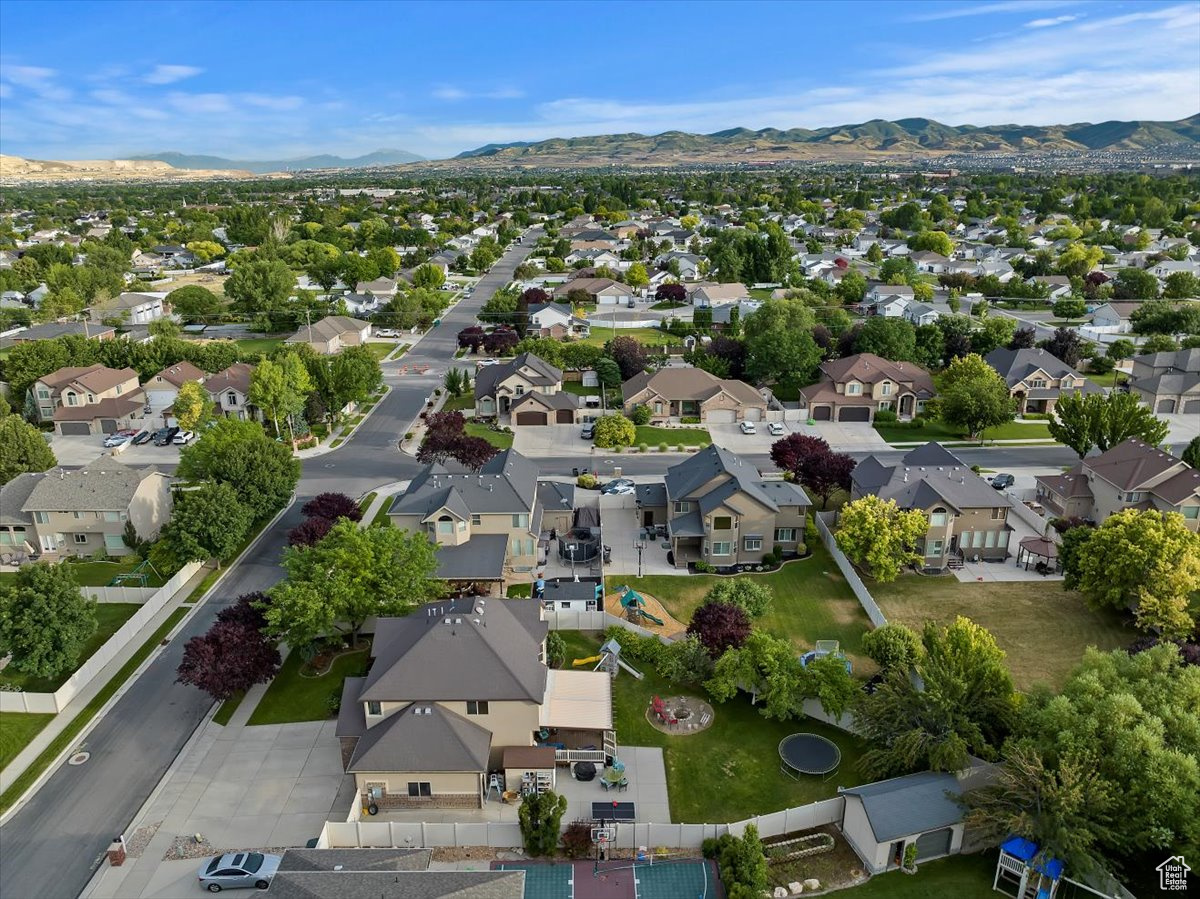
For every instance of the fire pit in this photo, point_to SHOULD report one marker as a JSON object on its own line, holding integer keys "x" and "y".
{"x": 680, "y": 716}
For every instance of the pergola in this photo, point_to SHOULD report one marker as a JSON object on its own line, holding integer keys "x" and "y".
{"x": 1039, "y": 550}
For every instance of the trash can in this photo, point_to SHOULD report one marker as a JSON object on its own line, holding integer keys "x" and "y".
{"x": 575, "y": 472}
{"x": 116, "y": 852}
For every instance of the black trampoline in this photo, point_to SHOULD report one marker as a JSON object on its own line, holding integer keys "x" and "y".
{"x": 808, "y": 754}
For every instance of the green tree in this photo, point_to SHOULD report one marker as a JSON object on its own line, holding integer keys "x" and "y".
{"x": 1181, "y": 286}
{"x": 898, "y": 270}
{"x": 1077, "y": 260}
{"x": 206, "y": 250}
{"x": 22, "y": 449}
{"x": 891, "y": 338}
{"x": 261, "y": 287}
{"x": 923, "y": 292}
{"x": 615, "y": 430}
{"x": 1191, "y": 454}
{"x": 26, "y": 362}
{"x": 194, "y": 303}
{"x": 879, "y": 536}
{"x": 852, "y": 288}
{"x": 540, "y": 816}
{"x": 1119, "y": 349}
{"x": 934, "y": 241}
{"x": 753, "y": 596}
{"x": 893, "y": 647}
{"x": 1086, "y": 420}
{"x": 428, "y": 276}
{"x": 208, "y": 523}
{"x": 44, "y": 620}
{"x": 1158, "y": 343}
{"x": 974, "y": 397}
{"x": 874, "y": 254}
{"x": 262, "y": 472}
{"x": 1147, "y": 560}
{"x": 349, "y": 576}
{"x": 1069, "y": 308}
{"x": 1134, "y": 284}
{"x": 354, "y": 374}
{"x": 279, "y": 387}
{"x": 779, "y": 343}
{"x": 193, "y": 406}
{"x": 607, "y": 372}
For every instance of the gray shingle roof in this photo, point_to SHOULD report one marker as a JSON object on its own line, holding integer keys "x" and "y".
{"x": 554, "y": 495}
{"x": 505, "y": 483}
{"x": 422, "y": 657}
{"x": 423, "y": 736}
{"x": 51, "y": 330}
{"x": 12, "y": 500}
{"x": 927, "y": 475}
{"x": 907, "y": 805}
{"x": 481, "y": 558}
{"x": 684, "y": 479}
{"x": 540, "y": 373}
{"x": 356, "y": 859}
{"x": 103, "y": 486}
{"x": 1016, "y": 365}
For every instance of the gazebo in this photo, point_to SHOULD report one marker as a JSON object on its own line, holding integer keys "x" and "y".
{"x": 1040, "y": 551}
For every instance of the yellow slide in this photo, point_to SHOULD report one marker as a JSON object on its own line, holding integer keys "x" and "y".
{"x": 586, "y": 661}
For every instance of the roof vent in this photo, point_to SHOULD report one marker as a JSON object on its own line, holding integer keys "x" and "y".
{"x": 458, "y": 621}
{"x": 448, "y": 621}
{"x": 476, "y": 620}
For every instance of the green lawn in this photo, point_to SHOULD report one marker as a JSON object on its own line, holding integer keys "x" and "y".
{"x": 460, "y": 403}
{"x": 228, "y": 707}
{"x": 812, "y": 602}
{"x": 100, "y": 574}
{"x": 16, "y": 730}
{"x": 690, "y": 436}
{"x": 292, "y": 697}
{"x": 262, "y": 345}
{"x": 760, "y": 293}
{"x": 1108, "y": 379}
{"x": 366, "y": 502}
{"x": 109, "y": 617}
{"x": 380, "y": 350}
{"x": 729, "y": 771}
{"x": 940, "y": 431}
{"x": 495, "y": 438}
{"x": 381, "y": 519}
{"x": 960, "y": 876}
{"x": 647, "y": 336}
{"x": 577, "y": 388}
{"x": 1043, "y": 628}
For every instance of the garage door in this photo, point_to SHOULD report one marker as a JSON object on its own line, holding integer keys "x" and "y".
{"x": 854, "y": 413}
{"x": 564, "y": 416}
{"x": 108, "y": 425}
{"x": 752, "y": 413}
{"x": 822, "y": 413}
{"x": 721, "y": 416}
{"x": 934, "y": 843}
{"x": 531, "y": 418}
{"x": 75, "y": 427}
{"x": 1191, "y": 406}
{"x": 1167, "y": 406}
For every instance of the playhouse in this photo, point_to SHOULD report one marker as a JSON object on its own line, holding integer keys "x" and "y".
{"x": 1023, "y": 872}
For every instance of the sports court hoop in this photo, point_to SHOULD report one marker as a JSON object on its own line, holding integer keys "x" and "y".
{"x": 602, "y": 836}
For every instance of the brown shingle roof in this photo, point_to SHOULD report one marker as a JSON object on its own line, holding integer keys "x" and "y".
{"x": 179, "y": 374}
{"x": 236, "y": 377}
{"x": 1131, "y": 464}
{"x": 689, "y": 384}
{"x": 870, "y": 369}
{"x": 109, "y": 407}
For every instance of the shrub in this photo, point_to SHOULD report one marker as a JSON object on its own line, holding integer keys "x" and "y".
{"x": 690, "y": 420}
{"x": 885, "y": 416}
{"x": 1036, "y": 416}
{"x": 586, "y": 481}
{"x": 577, "y": 839}
{"x": 703, "y": 567}
{"x": 892, "y": 647}
{"x": 556, "y": 648}
{"x": 614, "y": 431}
{"x": 662, "y": 447}
{"x": 640, "y": 415}
{"x": 720, "y": 626}
{"x": 408, "y": 435}
{"x": 540, "y": 815}
{"x": 753, "y": 596}
{"x": 642, "y": 447}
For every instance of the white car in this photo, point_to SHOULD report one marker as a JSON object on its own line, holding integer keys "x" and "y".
{"x": 387, "y": 332}
{"x": 488, "y": 362}
{"x": 183, "y": 437}
{"x": 748, "y": 427}
{"x": 775, "y": 428}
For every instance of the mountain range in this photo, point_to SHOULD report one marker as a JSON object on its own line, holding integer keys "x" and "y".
{"x": 263, "y": 166}
{"x": 905, "y": 137}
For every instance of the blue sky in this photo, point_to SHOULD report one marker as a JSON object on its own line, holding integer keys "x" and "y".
{"x": 258, "y": 80}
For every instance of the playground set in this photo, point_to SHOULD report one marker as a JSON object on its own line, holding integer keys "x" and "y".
{"x": 609, "y": 658}
{"x": 139, "y": 577}
{"x": 634, "y": 607}
{"x": 826, "y": 649}
{"x": 1021, "y": 867}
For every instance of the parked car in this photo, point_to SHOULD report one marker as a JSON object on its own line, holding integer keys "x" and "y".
{"x": 588, "y": 431}
{"x": 117, "y": 439}
{"x": 1001, "y": 481}
{"x": 618, "y": 487}
{"x": 748, "y": 427}
{"x": 182, "y": 438}
{"x": 143, "y": 437}
{"x": 387, "y": 332}
{"x": 775, "y": 428}
{"x": 165, "y": 436}
{"x": 238, "y": 869}
{"x": 487, "y": 362}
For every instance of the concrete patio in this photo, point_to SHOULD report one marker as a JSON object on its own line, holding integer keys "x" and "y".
{"x": 622, "y": 532}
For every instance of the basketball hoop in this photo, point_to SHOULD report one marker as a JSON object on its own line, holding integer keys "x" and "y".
{"x": 601, "y": 836}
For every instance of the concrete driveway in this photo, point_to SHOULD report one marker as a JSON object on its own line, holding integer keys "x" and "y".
{"x": 841, "y": 436}
{"x": 732, "y": 438}
{"x": 78, "y": 449}
{"x": 552, "y": 442}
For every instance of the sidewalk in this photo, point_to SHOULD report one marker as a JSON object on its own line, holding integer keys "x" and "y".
{"x": 47, "y": 735}
{"x": 383, "y": 495}
{"x": 345, "y": 431}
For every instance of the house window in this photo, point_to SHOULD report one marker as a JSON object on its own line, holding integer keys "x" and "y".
{"x": 1190, "y": 512}
{"x": 1002, "y": 540}
{"x": 72, "y": 399}
{"x": 937, "y": 518}
{"x": 119, "y": 389}
{"x": 114, "y": 516}
{"x": 77, "y": 515}
{"x": 476, "y": 519}
{"x": 1135, "y": 497}
{"x": 681, "y": 507}
{"x": 520, "y": 521}
{"x": 477, "y": 707}
{"x": 885, "y": 389}
{"x": 419, "y": 788}
{"x": 445, "y": 525}
{"x": 374, "y": 707}
{"x": 231, "y": 399}
{"x": 80, "y": 538}
{"x": 722, "y": 522}
{"x": 658, "y": 407}
{"x": 722, "y": 548}
{"x": 752, "y": 544}
{"x": 853, "y": 389}
{"x": 935, "y": 548}
{"x": 1038, "y": 382}
{"x": 885, "y": 405}
{"x": 43, "y": 393}
{"x": 520, "y": 390}
{"x": 785, "y": 535}
{"x": 998, "y": 513}
{"x": 990, "y": 542}
{"x": 41, "y": 517}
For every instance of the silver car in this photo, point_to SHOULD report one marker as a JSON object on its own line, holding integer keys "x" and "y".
{"x": 241, "y": 869}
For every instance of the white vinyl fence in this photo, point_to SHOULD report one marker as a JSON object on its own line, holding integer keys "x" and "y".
{"x": 55, "y": 702}
{"x": 865, "y": 599}
{"x": 1030, "y": 517}
{"x": 120, "y": 594}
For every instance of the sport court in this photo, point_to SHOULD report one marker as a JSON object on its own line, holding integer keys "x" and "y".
{"x": 619, "y": 879}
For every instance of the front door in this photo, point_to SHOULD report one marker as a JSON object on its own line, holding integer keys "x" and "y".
{"x": 898, "y": 853}
{"x": 647, "y": 518}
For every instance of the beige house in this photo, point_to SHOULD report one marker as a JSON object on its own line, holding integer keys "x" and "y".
{"x": 77, "y": 513}
{"x": 709, "y": 295}
{"x": 1168, "y": 382}
{"x": 1036, "y": 378}
{"x": 230, "y": 392}
{"x": 717, "y": 509}
{"x": 856, "y": 387}
{"x": 968, "y": 519}
{"x": 457, "y": 690}
{"x": 1131, "y": 475}
{"x": 162, "y": 388}
{"x": 92, "y": 399}
{"x": 603, "y": 291}
{"x": 333, "y": 334}
{"x": 527, "y": 390}
{"x": 674, "y": 393}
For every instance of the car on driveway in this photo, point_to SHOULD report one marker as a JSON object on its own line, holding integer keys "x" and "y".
{"x": 164, "y": 436}
{"x": 775, "y": 428}
{"x": 117, "y": 439}
{"x": 387, "y": 332}
{"x": 748, "y": 427}
{"x": 1001, "y": 481}
{"x": 182, "y": 438}
{"x": 618, "y": 487}
{"x": 143, "y": 437}
{"x": 488, "y": 362}
{"x": 588, "y": 431}
{"x": 238, "y": 869}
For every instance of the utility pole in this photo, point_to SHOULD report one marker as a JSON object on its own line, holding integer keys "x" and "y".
{"x": 308, "y": 321}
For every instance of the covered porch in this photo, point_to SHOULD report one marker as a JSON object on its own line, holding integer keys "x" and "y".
{"x": 576, "y": 717}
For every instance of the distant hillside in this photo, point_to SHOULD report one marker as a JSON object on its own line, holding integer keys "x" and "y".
{"x": 906, "y": 137}
{"x": 16, "y": 170}
{"x": 263, "y": 166}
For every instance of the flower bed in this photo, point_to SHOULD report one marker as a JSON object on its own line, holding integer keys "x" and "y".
{"x": 799, "y": 847}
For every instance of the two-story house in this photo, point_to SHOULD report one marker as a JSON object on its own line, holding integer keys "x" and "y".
{"x": 684, "y": 392}
{"x": 526, "y": 389}
{"x": 333, "y": 333}
{"x": 85, "y": 510}
{"x": 1168, "y": 382}
{"x": 162, "y": 388}
{"x": 91, "y": 399}
{"x": 1036, "y": 379}
{"x": 718, "y": 509}
{"x": 230, "y": 392}
{"x": 856, "y": 387}
{"x": 484, "y": 523}
{"x": 460, "y": 689}
{"x": 1131, "y": 475}
{"x": 134, "y": 308}
{"x": 968, "y": 519}
{"x": 888, "y": 300}
{"x": 556, "y": 320}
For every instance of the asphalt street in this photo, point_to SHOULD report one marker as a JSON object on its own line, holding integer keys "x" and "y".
{"x": 52, "y": 846}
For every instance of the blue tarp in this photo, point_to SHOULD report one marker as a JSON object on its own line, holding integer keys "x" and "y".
{"x": 1026, "y": 851}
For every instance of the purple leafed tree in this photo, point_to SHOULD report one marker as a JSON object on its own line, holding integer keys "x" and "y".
{"x": 671, "y": 293}
{"x": 789, "y": 452}
{"x": 472, "y": 451}
{"x": 500, "y": 341}
{"x": 825, "y": 473}
{"x": 332, "y": 506}
{"x": 229, "y": 659}
{"x": 471, "y": 338}
{"x": 244, "y": 611}
{"x": 446, "y": 438}
{"x": 629, "y": 355}
{"x": 535, "y": 296}
{"x": 720, "y": 626}
{"x": 311, "y": 530}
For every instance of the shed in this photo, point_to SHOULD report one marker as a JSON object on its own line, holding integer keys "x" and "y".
{"x": 881, "y": 819}
{"x": 529, "y": 768}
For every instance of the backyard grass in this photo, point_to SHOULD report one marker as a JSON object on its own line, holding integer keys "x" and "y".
{"x": 653, "y": 436}
{"x": 293, "y": 697}
{"x": 729, "y": 771}
{"x": 18, "y": 787}
{"x": 16, "y": 730}
{"x": 109, "y": 617}
{"x": 262, "y": 345}
{"x": 1108, "y": 379}
{"x": 647, "y": 336}
{"x": 495, "y": 438}
{"x": 577, "y": 388}
{"x": 380, "y": 350}
{"x": 960, "y": 876}
{"x": 812, "y": 602}
{"x": 1043, "y": 628}
{"x": 940, "y": 431}
{"x": 100, "y": 574}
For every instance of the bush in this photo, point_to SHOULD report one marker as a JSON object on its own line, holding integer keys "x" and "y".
{"x": 640, "y": 415}
{"x": 586, "y": 481}
{"x": 720, "y": 626}
{"x": 1036, "y": 416}
{"x": 885, "y": 416}
{"x": 662, "y": 447}
{"x": 690, "y": 420}
{"x": 892, "y": 647}
{"x": 577, "y": 839}
{"x": 540, "y": 815}
{"x": 752, "y": 596}
{"x": 648, "y": 649}
{"x": 614, "y": 431}
{"x": 642, "y": 447}
{"x": 703, "y": 567}
{"x": 556, "y": 649}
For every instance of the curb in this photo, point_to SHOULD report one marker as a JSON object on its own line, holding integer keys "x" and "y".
{"x": 317, "y": 451}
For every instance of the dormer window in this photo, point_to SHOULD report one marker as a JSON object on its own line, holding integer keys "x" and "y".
{"x": 885, "y": 389}
{"x": 1038, "y": 382}
{"x": 374, "y": 708}
{"x": 853, "y": 389}
{"x": 937, "y": 518}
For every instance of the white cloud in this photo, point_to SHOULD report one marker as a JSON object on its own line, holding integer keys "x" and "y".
{"x": 167, "y": 74}
{"x": 987, "y": 9}
{"x": 266, "y": 101}
{"x": 450, "y": 93}
{"x": 1049, "y": 23}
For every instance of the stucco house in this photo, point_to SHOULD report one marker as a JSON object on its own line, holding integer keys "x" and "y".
{"x": 718, "y": 294}
{"x": 51, "y": 330}
{"x": 230, "y": 392}
{"x": 1036, "y": 379}
{"x": 1130, "y": 475}
{"x": 459, "y": 689}
{"x": 856, "y": 387}
{"x": 881, "y": 820}
{"x": 91, "y": 399}
{"x": 718, "y": 509}
{"x": 684, "y": 392}
{"x": 968, "y": 518}
{"x": 556, "y": 320}
{"x": 162, "y": 388}
{"x": 134, "y": 308}
{"x": 333, "y": 333}
{"x": 1168, "y": 382}
{"x": 527, "y": 390}
{"x": 602, "y": 291}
